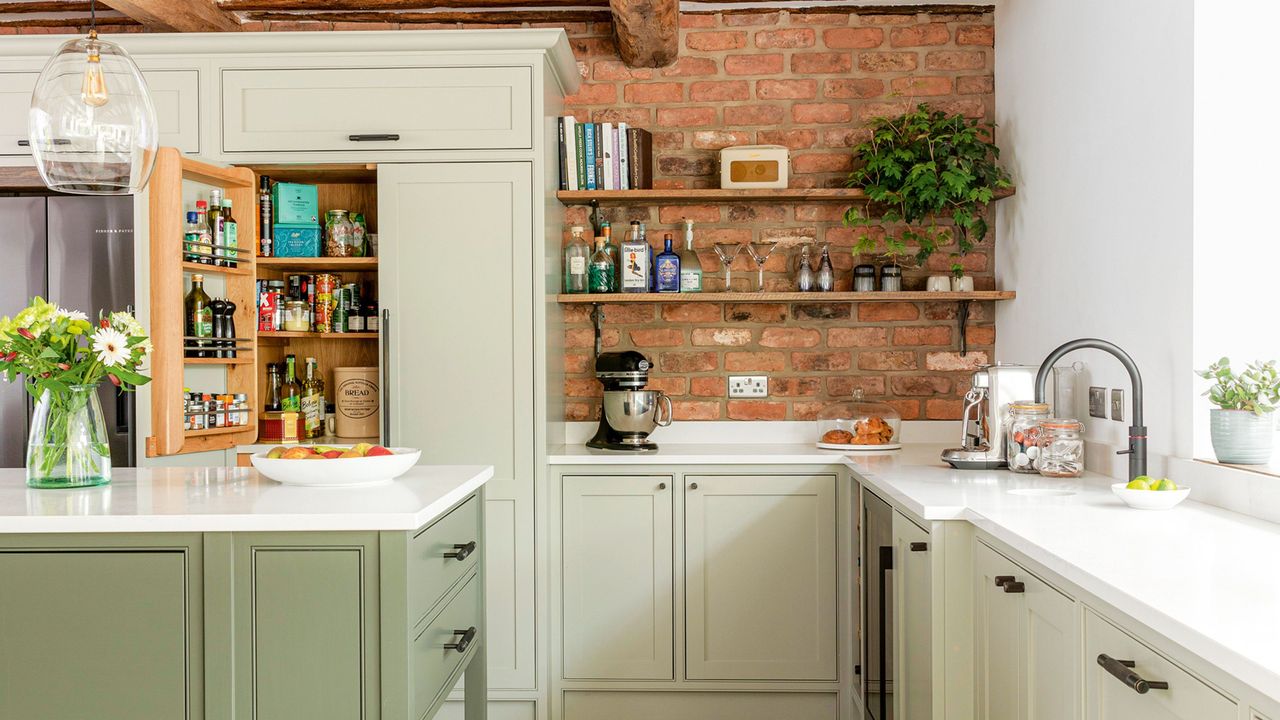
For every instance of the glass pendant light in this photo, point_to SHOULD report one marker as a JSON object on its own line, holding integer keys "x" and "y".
{"x": 92, "y": 126}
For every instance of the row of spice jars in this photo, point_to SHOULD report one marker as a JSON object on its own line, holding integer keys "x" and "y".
{"x": 205, "y": 411}
{"x": 1037, "y": 443}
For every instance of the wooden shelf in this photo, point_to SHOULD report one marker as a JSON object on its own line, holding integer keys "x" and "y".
{"x": 218, "y": 431}
{"x": 714, "y": 195}
{"x": 338, "y": 264}
{"x": 319, "y": 173}
{"x": 284, "y": 334}
{"x": 241, "y": 360}
{"x": 786, "y": 297}
{"x": 201, "y": 269}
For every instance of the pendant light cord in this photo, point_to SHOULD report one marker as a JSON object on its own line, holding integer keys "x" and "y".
{"x": 93, "y": 18}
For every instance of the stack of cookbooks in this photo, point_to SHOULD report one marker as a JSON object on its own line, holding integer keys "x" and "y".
{"x": 604, "y": 156}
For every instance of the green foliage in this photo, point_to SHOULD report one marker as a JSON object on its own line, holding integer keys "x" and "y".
{"x": 922, "y": 168}
{"x": 1257, "y": 389}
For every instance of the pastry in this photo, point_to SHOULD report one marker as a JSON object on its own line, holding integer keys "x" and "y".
{"x": 838, "y": 437}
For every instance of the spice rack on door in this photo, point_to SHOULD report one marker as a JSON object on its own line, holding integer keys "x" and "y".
{"x": 169, "y": 285}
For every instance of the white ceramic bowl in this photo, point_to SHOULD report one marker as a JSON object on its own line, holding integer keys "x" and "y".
{"x": 1150, "y": 499}
{"x": 337, "y": 472}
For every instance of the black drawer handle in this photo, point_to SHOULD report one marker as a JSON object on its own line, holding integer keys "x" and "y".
{"x": 1013, "y": 586}
{"x": 1002, "y": 579}
{"x": 662, "y": 486}
{"x": 462, "y": 552}
{"x": 374, "y": 137}
{"x": 919, "y": 547}
{"x": 55, "y": 141}
{"x": 1122, "y": 670}
{"x": 464, "y": 642}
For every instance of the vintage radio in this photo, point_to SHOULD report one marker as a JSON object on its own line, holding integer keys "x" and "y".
{"x": 754, "y": 166}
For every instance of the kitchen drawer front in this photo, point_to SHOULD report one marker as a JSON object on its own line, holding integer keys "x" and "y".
{"x": 1107, "y": 698}
{"x": 647, "y": 705}
{"x": 319, "y": 110}
{"x": 15, "y": 103}
{"x": 431, "y": 573}
{"x": 434, "y": 664}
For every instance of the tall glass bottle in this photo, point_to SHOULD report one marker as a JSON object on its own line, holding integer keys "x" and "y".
{"x": 601, "y": 276}
{"x": 191, "y": 239}
{"x": 690, "y": 265}
{"x": 205, "y": 248}
{"x": 290, "y": 390}
{"x": 265, "y": 217}
{"x": 230, "y": 236}
{"x": 313, "y": 399}
{"x": 668, "y": 264}
{"x": 199, "y": 320}
{"x": 577, "y": 256}
{"x": 215, "y": 226}
{"x": 274, "y": 385}
{"x": 826, "y": 274}
{"x": 615, "y": 256}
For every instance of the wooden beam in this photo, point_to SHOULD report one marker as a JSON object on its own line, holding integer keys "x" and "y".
{"x": 495, "y": 17}
{"x": 648, "y": 31}
{"x": 39, "y": 6}
{"x": 177, "y": 15}
{"x": 394, "y": 5}
{"x": 850, "y": 9}
{"x": 63, "y": 21}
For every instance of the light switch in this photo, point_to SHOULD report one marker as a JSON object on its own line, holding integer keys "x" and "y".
{"x": 1117, "y": 404}
{"x": 1098, "y": 402}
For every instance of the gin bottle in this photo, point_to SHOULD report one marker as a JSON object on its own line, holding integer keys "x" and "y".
{"x": 577, "y": 256}
{"x": 668, "y": 268}
{"x": 690, "y": 266}
{"x": 601, "y": 276}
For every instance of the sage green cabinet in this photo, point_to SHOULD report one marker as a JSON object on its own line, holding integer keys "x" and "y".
{"x": 913, "y": 690}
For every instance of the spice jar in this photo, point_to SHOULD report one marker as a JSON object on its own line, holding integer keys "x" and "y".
{"x": 339, "y": 235}
{"x": 1061, "y": 446}
{"x": 297, "y": 316}
{"x": 1021, "y": 448}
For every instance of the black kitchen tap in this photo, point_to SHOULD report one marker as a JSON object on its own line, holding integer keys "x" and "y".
{"x": 1137, "y": 451}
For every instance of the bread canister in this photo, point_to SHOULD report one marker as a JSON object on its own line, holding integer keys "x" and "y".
{"x": 356, "y": 402}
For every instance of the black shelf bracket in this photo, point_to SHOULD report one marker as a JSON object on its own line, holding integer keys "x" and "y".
{"x": 595, "y": 218}
{"x": 962, "y": 319}
{"x": 597, "y": 320}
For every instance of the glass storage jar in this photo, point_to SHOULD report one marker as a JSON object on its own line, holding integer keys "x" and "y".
{"x": 1061, "y": 445}
{"x": 1021, "y": 449}
{"x": 859, "y": 425}
{"x": 339, "y": 235}
{"x": 297, "y": 316}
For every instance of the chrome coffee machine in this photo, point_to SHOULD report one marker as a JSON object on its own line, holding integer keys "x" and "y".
{"x": 986, "y": 407}
{"x": 630, "y": 412}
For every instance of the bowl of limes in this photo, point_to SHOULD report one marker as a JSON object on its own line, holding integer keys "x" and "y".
{"x": 1147, "y": 493}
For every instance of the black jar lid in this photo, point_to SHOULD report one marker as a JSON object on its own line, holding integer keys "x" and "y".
{"x": 891, "y": 271}
{"x": 864, "y": 271}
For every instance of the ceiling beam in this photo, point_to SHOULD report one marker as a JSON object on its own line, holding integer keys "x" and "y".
{"x": 479, "y": 17}
{"x": 177, "y": 15}
{"x": 393, "y": 5}
{"x": 647, "y": 31}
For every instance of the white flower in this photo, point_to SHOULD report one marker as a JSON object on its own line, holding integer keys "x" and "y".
{"x": 69, "y": 314}
{"x": 112, "y": 346}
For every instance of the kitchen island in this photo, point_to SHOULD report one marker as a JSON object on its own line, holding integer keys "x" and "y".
{"x": 217, "y": 593}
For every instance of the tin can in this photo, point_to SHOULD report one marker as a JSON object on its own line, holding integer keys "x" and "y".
{"x": 268, "y": 300}
{"x": 340, "y": 310}
{"x": 326, "y": 286}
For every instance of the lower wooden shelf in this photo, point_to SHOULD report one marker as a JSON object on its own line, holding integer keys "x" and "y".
{"x": 244, "y": 358}
{"x": 217, "y": 431}
{"x": 283, "y": 334}
{"x": 786, "y": 297}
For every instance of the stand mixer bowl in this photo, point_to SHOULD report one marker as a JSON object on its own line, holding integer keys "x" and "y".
{"x": 637, "y": 412}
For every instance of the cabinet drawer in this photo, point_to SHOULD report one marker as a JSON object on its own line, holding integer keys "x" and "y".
{"x": 1108, "y": 698}
{"x": 646, "y": 705}
{"x": 15, "y": 103}
{"x": 431, "y": 573}
{"x": 331, "y": 109}
{"x": 176, "y": 96}
{"x": 434, "y": 664}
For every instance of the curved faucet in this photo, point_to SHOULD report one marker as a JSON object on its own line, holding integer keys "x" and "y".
{"x": 1137, "y": 451}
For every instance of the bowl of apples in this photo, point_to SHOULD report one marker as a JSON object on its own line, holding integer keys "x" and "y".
{"x": 362, "y": 464}
{"x": 1148, "y": 493}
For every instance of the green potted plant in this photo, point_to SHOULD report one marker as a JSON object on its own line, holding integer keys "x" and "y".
{"x": 1242, "y": 426}
{"x": 921, "y": 169}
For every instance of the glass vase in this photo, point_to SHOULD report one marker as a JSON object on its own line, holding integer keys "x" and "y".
{"x": 68, "y": 446}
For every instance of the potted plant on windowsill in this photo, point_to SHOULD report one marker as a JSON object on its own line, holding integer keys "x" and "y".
{"x": 921, "y": 169}
{"x": 1243, "y": 425}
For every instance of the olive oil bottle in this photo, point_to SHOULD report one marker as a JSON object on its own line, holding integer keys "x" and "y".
{"x": 290, "y": 391}
{"x": 199, "y": 321}
{"x": 313, "y": 399}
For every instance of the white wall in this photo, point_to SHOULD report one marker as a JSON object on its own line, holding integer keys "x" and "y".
{"x": 1094, "y": 107}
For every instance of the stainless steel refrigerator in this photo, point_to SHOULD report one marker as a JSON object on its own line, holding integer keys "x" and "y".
{"x": 77, "y": 252}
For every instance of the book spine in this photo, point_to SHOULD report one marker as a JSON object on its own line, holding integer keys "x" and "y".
{"x": 633, "y": 158}
{"x": 645, "y": 152}
{"x": 580, "y": 155}
{"x": 606, "y": 145}
{"x": 564, "y": 155}
{"x": 599, "y": 158}
{"x": 571, "y": 153}
{"x": 624, "y": 178}
{"x": 590, "y": 139}
{"x": 617, "y": 161}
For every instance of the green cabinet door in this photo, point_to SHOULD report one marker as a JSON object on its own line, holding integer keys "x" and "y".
{"x": 101, "y": 635}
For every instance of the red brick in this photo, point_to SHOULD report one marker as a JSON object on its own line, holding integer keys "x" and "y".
{"x": 721, "y": 336}
{"x": 695, "y": 410}
{"x": 673, "y": 214}
{"x": 712, "y": 91}
{"x": 917, "y": 35}
{"x": 784, "y": 337}
{"x": 857, "y": 337}
{"x": 686, "y": 116}
{"x": 708, "y": 387}
{"x": 808, "y": 16}
{"x": 668, "y": 385}
{"x": 943, "y": 409}
{"x": 855, "y": 38}
{"x": 754, "y": 361}
{"x": 814, "y": 63}
{"x": 673, "y": 165}
{"x": 685, "y": 362}
{"x": 576, "y": 363}
{"x": 955, "y": 60}
{"x": 743, "y": 19}
{"x": 756, "y": 410}
{"x": 808, "y": 410}
{"x": 822, "y": 162}
{"x": 887, "y": 61}
{"x": 754, "y": 64}
{"x": 691, "y": 313}
{"x": 887, "y": 19}
{"x": 586, "y": 337}
{"x": 577, "y": 411}
{"x": 794, "y": 386}
{"x": 975, "y": 84}
{"x": 668, "y": 140}
{"x": 954, "y": 361}
{"x": 690, "y": 66}
{"x": 611, "y": 69}
{"x": 757, "y": 213}
{"x": 786, "y": 38}
{"x": 976, "y": 35}
{"x": 887, "y": 360}
{"x": 931, "y": 335}
{"x": 793, "y": 139}
{"x": 973, "y": 262}
{"x": 820, "y": 311}
{"x": 821, "y": 361}
{"x": 627, "y": 313}
{"x": 858, "y": 88}
{"x": 631, "y": 115}
{"x": 715, "y": 41}
{"x": 592, "y": 47}
{"x": 919, "y": 385}
{"x": 641, "y": 93}
{"x": 582, "y": 387}
{"x": 981, "y": 335}
{"x": 786, "y": 89}
{"x": 657, "y": 337}
{"x": 697, "y": 20}
{"x": 872, "y": 110}
{"x": 752, "y": 115}
{"x": 908, "y": 409}
{"x": 593, "y": 94}
{"x": 969, "y": 107}
{"x": 845, "y": 137}
{"x": 821, "y": 113}
{"x": 844, "y": 385}
{"x": 914, "y": 86}
{"x": 706, "y": 238}
{"x": 887, "y": 312}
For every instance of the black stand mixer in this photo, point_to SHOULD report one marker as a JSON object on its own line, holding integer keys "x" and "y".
{"x": 630, "y": 412}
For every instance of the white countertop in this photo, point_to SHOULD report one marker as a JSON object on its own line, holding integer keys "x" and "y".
{"x": 1203, "y": 577}
{"x": 231, "y": 500}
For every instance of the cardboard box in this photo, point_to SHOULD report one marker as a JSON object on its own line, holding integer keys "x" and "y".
{"x": 296, "y": 240}
{"x": 295, "y": 204}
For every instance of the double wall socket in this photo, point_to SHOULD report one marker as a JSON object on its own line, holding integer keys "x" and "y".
{"x": 1098, "y": 403}
{"x": 748, "y": 386}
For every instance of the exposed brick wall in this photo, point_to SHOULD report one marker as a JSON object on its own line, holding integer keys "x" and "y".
{"x": 809, "y": 81}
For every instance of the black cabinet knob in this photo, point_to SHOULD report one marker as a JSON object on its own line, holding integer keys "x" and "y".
{"x": 693, "y": 486}
{"x": 1013, "y": 586}
{"x": 1002, "y": 579}
{"x": 662, "y": 486}
{"x": 919, "y": 547}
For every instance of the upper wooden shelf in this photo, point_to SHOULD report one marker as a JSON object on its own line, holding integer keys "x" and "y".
{"x": 350, "y": 264}
{"x": 715, "y": 195}
{"x": 319, "y": 173}
{"x": 787, "y": 297}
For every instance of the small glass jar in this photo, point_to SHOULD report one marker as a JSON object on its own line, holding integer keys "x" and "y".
{"x": 297, "y": 316}
{"x": 891, "y": 278}
{"x": 1021, "y": 446}
{"x": 339, "y": 235}
{"x": 1061, "y": 445}
{"x": 864, "y": 278}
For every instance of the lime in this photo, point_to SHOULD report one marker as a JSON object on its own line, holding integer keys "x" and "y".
{"x": 1139, "y": 483}
{"x": 1165, "y": 484}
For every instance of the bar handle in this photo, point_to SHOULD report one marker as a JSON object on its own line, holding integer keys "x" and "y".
{"x": 462, "y": 552}
{"x": 1014, "y": 586}
{"x": 1122, "y": 670}
{"x": 374, "y": 137}
{"x": 1002, "y": 579}
{"x": 919, "y": 547}
{"x": 385, "y": 332}
{"x": 464, "y": 642}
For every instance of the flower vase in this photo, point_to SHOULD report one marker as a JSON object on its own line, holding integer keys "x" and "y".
{"x": 68, "y": 446}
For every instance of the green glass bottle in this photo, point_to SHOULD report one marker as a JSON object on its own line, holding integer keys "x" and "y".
{"x": 199, "y": 320}
{"x": 290, "y": 391}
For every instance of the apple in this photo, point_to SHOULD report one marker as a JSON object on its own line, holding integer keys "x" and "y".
{"x": 276, "y": 453}
{"x": 331, "y": 454}
{"x": 362, "y": 448}
{"x": 350, "y": 454}
{"x": 299, "y": 453}
{"x": 378, "y": 451}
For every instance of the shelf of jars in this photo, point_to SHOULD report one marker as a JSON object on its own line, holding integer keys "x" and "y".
{"x": 695, "y": 196}
{"x": 193, "y": 267}
{"x": 329, "y": 264}
{"x": 785, "y": 297}
{"x": 286, "y": 334}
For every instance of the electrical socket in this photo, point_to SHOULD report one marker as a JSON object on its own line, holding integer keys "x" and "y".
{"x": 1117, "y": 404}
{"x": 1098, "y": 402}
{"x": 748, "y": 386}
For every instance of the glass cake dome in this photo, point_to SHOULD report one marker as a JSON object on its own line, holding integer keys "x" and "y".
{"x": 859, "y": 425}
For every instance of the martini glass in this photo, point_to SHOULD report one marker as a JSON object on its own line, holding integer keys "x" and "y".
{"x": 727, "y": 252}
{"x": 760, "y": 252}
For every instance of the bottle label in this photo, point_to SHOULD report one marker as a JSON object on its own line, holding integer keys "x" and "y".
{"x": 635, "y": 266}
{"x": 229, "y": 235}
{"x": 202, "y": 323}
{"x": 310, "y": 407}
{"x": 577, "y": 266}
{"x": 690, "y": 280}
{"x": 291, "y": 404}
{"x": 668, "y": 274}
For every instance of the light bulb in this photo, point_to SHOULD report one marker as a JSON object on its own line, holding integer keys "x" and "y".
{"x": 93, "y": 89}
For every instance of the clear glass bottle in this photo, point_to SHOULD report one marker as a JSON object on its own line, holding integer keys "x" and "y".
{"x": 690, "y": 265}
{"x": 360, "y": 235}
{"x": 634, "y": 271}
{"x": 826, "y": 275}
{"x": 806, "y": 280}
{"x": 668, "y": 268}
{"x": 601, "y": 274}
{"x": 606, "y": 231}
{"x": 312, "y": 403}
{"x": 577, "y": 255}
{"x": 230, "y": 234}
{"x": 191, "y": 238}
{"x": 1061, "y": 445}
{"x": 216, "y": 227}
{"x": 290, "y": 390}
{"x": 274, "y": 385}
{"x": 1022, "y": 442}
{"x": 206, "y": 233}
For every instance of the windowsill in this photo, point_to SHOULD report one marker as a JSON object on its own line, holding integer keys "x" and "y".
{"x": 1271, "y": 469}
{"x": 1251, "y": 490}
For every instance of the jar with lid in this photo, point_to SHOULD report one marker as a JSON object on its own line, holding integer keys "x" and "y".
{"x": 859, "y": 425}
{"x": 339, "y": 234}
{"x": 1061, "y": 445}
{"x": 297, "y": 316}
{"x": 891, "y": 278}
{"x": 864, "y": 278}
{"x": 1021, "y": 448}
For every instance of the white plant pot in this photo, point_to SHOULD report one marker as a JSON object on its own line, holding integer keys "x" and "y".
{"x": 938, "y": 283}
{"x": 1242, "y": 438}
{"x": 962, "y": 284}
